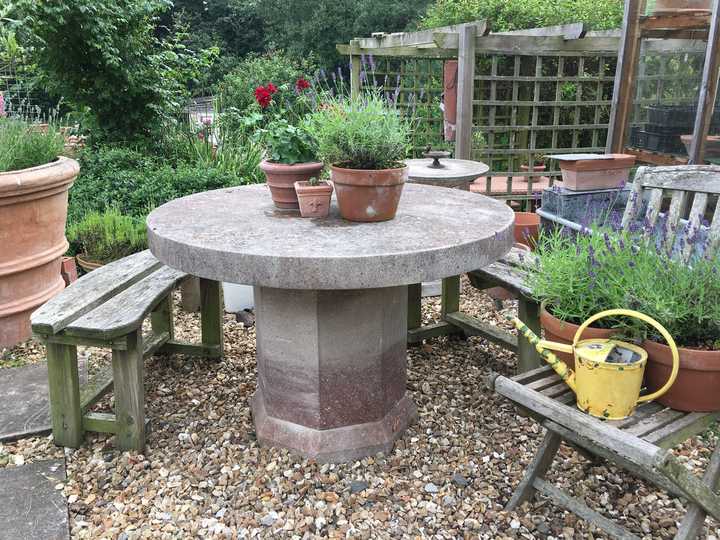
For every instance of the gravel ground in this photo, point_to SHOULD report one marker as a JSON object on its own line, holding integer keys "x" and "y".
{"x": 203, "y": 474}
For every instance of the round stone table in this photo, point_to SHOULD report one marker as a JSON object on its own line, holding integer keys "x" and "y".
{"x": 453, "y": 173}
{"x": 331, "y": 301}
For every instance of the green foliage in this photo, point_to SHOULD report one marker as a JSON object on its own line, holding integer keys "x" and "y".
{"x": 103, "y": 55}
{"x": 582, "y": 275}
{"x": 134, "y": 182}
{"x": 23, "y": 146}
{"x": 316, "y": 26}
{"x": 289, "y": 144}
{"x": 107, "y": 236}
{"x": 238, "y": 87}
{"x": 364, "y": 133}
{"x": 506, "y": 15}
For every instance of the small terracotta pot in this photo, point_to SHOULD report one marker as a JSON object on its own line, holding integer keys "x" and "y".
{"x": 564, "y": 332}
{"x": 68, "y": 270}
{"x": 33, "y": 211}
{"x": 281, "y": 179}
{"x": 314, "y": 200}
{"x": 539, "y": 167}
{"x": 527, "y": 228}
{"x": 368, "y": 195}
{"x": 697, "y": 387}
{"x": 86, "y": 264}
{"x": 500, "y": 293}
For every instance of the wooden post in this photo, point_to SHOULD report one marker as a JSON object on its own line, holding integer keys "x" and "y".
{"x": 64, "y": 392}
{"x": 466, "y": 85}
{"x": 356, "y": 67}
{"x": 708, "y": 89}
{"x": 161, "y": 318}
{"x": 528, "y": 313}
{"x": 211, "y": 313}
{"x": 625, "y": 76}
{"x": 129, "y": 382}
{"x": 414, "y": 306}
{"x": 450, "y": 302}
{"x": 537, "y": 469}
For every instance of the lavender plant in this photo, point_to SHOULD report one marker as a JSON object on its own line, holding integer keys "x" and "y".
{"x": 579, "y": 275}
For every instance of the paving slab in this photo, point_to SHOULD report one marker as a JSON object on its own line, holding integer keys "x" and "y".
{"x": 24, "y": 390}
{"x": 30, "y": 506}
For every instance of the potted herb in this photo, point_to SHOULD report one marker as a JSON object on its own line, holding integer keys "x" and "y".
{"x": 364, "y": 141}
{"x": 34, "y": 183}
{"x": 101, "y": 238}
{"x": 580, "y": 275}
{"x": 314, "y": 197}
{"x": 291, "y": 157}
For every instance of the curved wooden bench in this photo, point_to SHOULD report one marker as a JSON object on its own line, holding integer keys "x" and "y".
{"x": 106, "y": 308}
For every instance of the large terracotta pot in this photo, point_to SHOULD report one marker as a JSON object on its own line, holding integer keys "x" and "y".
{"x": 697, "y": 387}
{"x": 527, "y": 228}
{"x": 33, "y": 211}
{"x": 281, "y": 179}
{"x": 564, "y": 332}
{"x": 368, "y": 195}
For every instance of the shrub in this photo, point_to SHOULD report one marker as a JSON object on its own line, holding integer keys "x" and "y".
{"x": 289, "y": 144}
{"x": 578, "y": 276}
{"x": 107, "y": 236}
{"x": 506, "y": 15}
{"x": 364, "y": 133}
{"x": 23, "y": 146}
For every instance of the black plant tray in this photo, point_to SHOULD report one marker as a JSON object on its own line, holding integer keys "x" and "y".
{"x": 657, "y": 142}
{"x": 672, "y": 116}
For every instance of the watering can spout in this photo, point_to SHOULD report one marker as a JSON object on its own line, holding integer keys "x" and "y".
{"x": 543, "y": 348}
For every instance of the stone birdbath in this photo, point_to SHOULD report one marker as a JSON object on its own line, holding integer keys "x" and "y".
{"x": 437, "y": 169}
{"x": 331, "y": 301}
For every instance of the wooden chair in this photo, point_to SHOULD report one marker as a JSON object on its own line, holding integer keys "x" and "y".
{"x": 639, "y": 444}
{"x": 106, "y": 308}
{"x": 682, "y": 200}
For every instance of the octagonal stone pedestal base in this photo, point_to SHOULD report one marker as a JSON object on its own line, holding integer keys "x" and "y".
{"x": 331, "y": 371}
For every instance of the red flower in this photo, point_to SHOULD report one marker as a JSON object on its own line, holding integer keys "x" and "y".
{"x": 301, "y": 84}
{"x": 271, "y": 88}
{"x": 263, "y": 96}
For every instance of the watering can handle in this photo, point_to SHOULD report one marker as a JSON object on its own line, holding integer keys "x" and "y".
{"x": 660, "y": 328}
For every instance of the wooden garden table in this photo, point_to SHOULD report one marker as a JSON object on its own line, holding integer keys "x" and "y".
{"x": 331, "y": 301}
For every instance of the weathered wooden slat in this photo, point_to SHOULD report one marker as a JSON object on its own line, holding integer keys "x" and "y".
{"x": 682, "y": 429}
{"x": 465, "y": 92}
{"x": 653, "y": 422}
{"x": 699, "y": 178}
{"x": 561, "y": 498}
{"x": 533, "y": 374}
{"x": 555, "y": 391}
{"x": 643, "y": 411}
{"x": 191, "y": 349}
{"x": 546, "y": 382}
{"x": 536, "y": 469}
{"x": 567, "y": 31}
{"x": 677, "y": 205}
{"x": 96, "y": 387}
{"x": 473, "y": 327}
{"x": 60, "y": 339}
{"x": 501, "y": 274}
{"x": 653, "y": 209}
{"x": 91, "y": 291}
{"x": 693, "y": 520}
{"x": 633, "y": 449}
{"x": 126, "y": 310}
{"x": 155, "y": 343}
{"x": 694, "y": 489}
{"x": 697, "y": 213}
{"x": 442, "y": 328}
{"x": 100, "y": 422}
{"x": 415, "y": 39}
{"x": 714, "y": 232}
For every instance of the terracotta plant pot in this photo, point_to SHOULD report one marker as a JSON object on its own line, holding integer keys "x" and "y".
{"x": 314, "y": 200}
{"x": 281, "y": 179}
{"x": 88, "y": 265}
{"x": 527, "y": 228}
{"x": 587, "y": 174}
{"x": 500, "y": 293}
{"x": 564, "y": 332}
{"x": 450, "y": 79}
{"x": 712, "y": 145}
{"x": 365, "y": 195}
{"x": 681, "y": 5}
{"x": 68, "y": 270}
{"x": 539, "y": 167}
{"x": 697, "y": 387}
{"x": 33, "y": 211}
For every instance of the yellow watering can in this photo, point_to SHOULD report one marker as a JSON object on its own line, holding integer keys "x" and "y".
{"x": 608, "y": 372}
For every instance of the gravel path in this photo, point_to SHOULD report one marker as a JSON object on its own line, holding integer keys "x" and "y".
{"x": 204, "y": 475}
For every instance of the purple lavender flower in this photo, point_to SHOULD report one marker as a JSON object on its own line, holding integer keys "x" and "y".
{"x": 3, "y": 112}
{"x": 372, "y": 62}
{"x": 608, "y": 243}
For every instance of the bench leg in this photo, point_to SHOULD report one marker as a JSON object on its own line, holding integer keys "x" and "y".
{"x": 450, "y": 295}
{"x": 64, "y": 392}
{"x": 211, "y": 313}
{"x": 537, "y": 468}
{"x": 693, "y": 521}
{"x": 161, "y": 318}
{"x": 529, "y": 313}
{"x": 414, "y": 306}
{"x": 128, "y": 377}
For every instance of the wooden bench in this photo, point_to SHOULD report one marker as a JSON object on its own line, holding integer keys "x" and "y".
{"x": 106, "y": 308}
{"x": 682, "y": 196}
{"x": 639, "y": 444}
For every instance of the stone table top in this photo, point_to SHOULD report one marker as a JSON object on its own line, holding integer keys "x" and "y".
{"x": 453, "y": 172}
{"x": 236, "y": 235}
